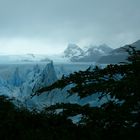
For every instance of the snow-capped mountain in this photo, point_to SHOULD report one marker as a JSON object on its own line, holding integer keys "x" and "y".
{"x": 119, "y": 54}
{"x": 101, "y": 49}
{"x": 73, "y": 53}
{"x": 88, "y": 54}
{"x": 73, "y": 50}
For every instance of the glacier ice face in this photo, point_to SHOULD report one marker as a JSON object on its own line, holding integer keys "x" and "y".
{"x": 16, "y": 79}
{"x": 20, "y": 81}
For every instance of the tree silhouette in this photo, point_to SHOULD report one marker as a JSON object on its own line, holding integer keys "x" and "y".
{"x": 118, "y": 118}
{"x": 120, "y": 115}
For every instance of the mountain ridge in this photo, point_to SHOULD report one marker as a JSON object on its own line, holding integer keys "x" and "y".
{"x": 119, "y": 54}
{"x": 89, "y": 54}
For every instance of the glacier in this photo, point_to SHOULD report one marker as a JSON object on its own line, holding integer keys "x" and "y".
{"x": 19, "y": 80}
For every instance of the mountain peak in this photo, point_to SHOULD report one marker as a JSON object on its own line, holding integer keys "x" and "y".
{"x": 88, "y": 54}
{"x": 105, "y": 48}
{"x": 72, "y": 45}
{"x": 136, "y": 44}
{"x": 73, "y": 50}
{"x": 119, "y": 54}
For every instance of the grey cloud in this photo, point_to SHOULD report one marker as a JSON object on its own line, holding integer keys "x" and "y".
{"x": 112, "y": 21}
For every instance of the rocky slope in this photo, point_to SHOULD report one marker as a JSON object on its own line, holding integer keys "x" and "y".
{"x": 118, "y": 55}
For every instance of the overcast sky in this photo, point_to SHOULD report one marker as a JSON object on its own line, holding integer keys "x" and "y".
{"x": 47, "y": 26}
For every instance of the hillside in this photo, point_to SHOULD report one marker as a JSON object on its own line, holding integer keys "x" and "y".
{"x": 118, "y": 55}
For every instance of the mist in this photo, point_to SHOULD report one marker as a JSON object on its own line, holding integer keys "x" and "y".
{"x": 47, "y": 26}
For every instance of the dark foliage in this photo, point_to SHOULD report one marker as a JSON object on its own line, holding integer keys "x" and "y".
{"x": 116, "y": 119}
{"x": 22, "y": 124}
